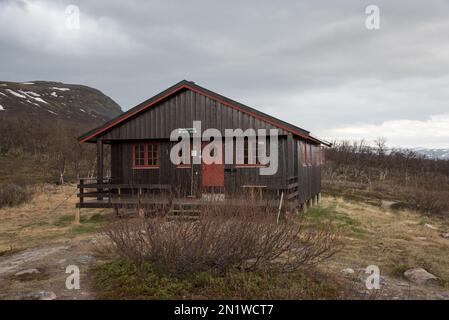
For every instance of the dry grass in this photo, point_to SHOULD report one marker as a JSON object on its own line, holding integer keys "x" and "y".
{"x": 394, "y": 240}
{"x": 47, "y": 218}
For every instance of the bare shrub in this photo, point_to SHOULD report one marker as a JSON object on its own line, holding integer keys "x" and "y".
{"x": 434, "y": 202}
{"x": 12, "y": 194}
{"x": 219, "y": 240}
{"x": 356, "y": 170}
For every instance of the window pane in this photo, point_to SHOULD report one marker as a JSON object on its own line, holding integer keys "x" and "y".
{"x": 139, "y": 154}
{"x": 153, "y": 154}
{"x": 245, "y": 151}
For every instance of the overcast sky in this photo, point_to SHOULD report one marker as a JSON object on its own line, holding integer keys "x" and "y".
{"x": 313, "y": 64}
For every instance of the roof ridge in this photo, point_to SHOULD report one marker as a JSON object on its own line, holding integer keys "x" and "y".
{"x": 191, "y": 85}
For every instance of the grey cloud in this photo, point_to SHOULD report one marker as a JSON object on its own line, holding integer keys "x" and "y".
{"x": 311, "y": 63}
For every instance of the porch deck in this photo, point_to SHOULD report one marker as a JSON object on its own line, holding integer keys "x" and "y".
{"x": 126, "y": 202}
{"x": 102, "y": 193}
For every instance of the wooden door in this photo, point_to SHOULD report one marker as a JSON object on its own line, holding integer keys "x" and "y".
{"x": 212, "y": 174}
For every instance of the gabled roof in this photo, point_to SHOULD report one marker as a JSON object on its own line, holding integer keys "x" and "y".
{"x": 189, "y": 85}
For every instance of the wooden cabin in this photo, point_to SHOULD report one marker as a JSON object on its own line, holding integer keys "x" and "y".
{"x": 142, "y": 173}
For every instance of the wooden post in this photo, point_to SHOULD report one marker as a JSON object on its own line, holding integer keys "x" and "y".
{"x": 99, "y": 166}
{"x": 304, "y": 207}
{"x": 78, "y": 216}
{"x": 78, "y": 210}
{"x": 280, "y": 207}
{"x": 139, "y": 204}
{"x": 319, "y": 197}
{"x": 81, "y": 192}
{"x": 309, "y": 204}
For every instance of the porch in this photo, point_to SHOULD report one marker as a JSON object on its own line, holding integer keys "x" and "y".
{"x": 162, "y": 198}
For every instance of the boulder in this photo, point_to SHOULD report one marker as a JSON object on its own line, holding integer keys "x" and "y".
{"x": 445, "y": 235}
{"x": 41, "y": 295}
{"x": 82, "y": 259}
{"x": 427, "y": 225}
{"x": 348, "y": 271}
{"x": 27, "y": 272}
{"x": 420, "y": 276}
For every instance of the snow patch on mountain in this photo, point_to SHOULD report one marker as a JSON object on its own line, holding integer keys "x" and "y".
{"x": 16, "y": 94}
{"x": 56, "y": 100}
{"x": 30, "y": 93}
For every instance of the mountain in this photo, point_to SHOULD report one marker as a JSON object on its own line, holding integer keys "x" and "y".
{"x": 442, "y": 154}
{"x": 56, "y": 100}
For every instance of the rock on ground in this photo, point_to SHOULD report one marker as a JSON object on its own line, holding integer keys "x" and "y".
{"x": 347, "y": 271}
{"x": 41, "y": 295}
{"x": 27, "y": 272}
{"x": 15, "y": 262}
{"x": 420, "y": 276}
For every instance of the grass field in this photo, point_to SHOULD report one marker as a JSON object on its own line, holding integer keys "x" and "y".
{"x": 46, "y": 219}
{"x": 394, "y": 240}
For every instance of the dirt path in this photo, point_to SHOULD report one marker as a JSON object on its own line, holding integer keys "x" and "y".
{"x": 50, "y": 262}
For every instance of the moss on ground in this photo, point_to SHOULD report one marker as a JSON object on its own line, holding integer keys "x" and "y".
{"x": 124, "y": 280}
{"x": 322, "y": 215}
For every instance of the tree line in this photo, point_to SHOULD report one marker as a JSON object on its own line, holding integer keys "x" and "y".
{"x": 51, "y": 144}
{"x": 399, "y": 174}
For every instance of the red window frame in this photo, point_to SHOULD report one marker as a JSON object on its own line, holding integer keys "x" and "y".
{"x": 149, "y": 161}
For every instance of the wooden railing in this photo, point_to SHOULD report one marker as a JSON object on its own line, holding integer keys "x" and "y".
{"x": 105, "y": 191}
{"x": 292, "y": 189}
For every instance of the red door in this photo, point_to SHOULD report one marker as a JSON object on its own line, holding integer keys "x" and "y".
{"x": 213, "y": 174}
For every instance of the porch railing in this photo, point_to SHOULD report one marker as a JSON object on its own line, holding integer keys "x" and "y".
{"x": 105, "y": 190}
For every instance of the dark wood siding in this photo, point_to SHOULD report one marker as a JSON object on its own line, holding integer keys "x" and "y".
{"x": 309, "y": 175}
{"x": 179, "y": 111}
{"x": 122, "y": 170}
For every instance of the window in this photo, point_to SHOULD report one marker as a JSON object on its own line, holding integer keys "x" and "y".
{"x": 152, "y": 154}
{"x": 304, "y": 154}
{"x": 251, "y": 152}
{"x": 139, "y": 155}
{"x": 190, "y": 156}
{"x": 310, "y": 154}
{"x": 248, "y": 152}
{"x": 146, "y": 155}
{"x": 323, "y": 156}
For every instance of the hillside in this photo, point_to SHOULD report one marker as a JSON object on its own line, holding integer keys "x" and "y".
{"x": 39, "y": 124}
{"x": 55, "y": 100}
